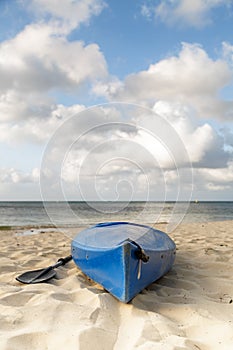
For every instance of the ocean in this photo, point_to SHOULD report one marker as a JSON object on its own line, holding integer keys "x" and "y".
{"x": 75, "y": 214}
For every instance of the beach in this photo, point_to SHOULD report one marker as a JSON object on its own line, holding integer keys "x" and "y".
{"x": 191, "y": 307}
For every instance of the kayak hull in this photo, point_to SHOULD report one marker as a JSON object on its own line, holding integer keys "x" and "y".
{"x": 113, "y": 259}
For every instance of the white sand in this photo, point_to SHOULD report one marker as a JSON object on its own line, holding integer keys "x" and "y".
{"x": 189, "y": 308}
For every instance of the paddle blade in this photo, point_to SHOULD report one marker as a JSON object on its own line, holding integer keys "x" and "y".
{"x": 36, "y": 276}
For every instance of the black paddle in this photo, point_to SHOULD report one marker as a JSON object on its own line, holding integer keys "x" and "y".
{"x": 42, "y": 275}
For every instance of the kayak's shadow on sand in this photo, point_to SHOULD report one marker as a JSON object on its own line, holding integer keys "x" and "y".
{"x": 188, "y": 282}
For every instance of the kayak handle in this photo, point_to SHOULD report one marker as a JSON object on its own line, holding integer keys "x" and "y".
{"x": 140, "y": 253}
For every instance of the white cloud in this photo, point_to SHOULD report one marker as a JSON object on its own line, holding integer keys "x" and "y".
{"x": 108, "y": 88}
{"x": 214, "y": 183}
{"x": 192, "y": 78}
{"x": 70, "y": 13}
{"x": 17, "y": 184}
{"x": 143, "y": 138}
{"x": 212, "y": 187}
{"x": 181, "y": 88}
{"x": 38, "y": 127}
{"x": 47, "y": 62}
{"x": 203, "y": 143}
{"x": 107, "y": 149}
{"x": 146, "y": 11}
{"x": 228, "y": 137}
{"x": 44, "y": 62}
{"x": 218, "y": 176}
{"x": 184, "y": 12}
{"x": 227, "y": 49}
{"x": 99, "y": 149}
{"x": 12, "y": 175}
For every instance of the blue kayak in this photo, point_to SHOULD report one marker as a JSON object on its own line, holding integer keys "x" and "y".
{"x": 123, "y": 257}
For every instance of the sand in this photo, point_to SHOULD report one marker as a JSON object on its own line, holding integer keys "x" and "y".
{"x": 189, "y": 308}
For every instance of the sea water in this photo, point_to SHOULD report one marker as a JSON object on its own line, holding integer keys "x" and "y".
{"x": 89, "y": 213}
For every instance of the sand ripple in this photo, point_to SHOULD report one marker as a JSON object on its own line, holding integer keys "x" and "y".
{"x": 189, "y": 308}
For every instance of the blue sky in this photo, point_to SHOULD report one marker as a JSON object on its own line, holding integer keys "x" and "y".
{"x": 130, "y": 41}
{"x": 175, "y": 58}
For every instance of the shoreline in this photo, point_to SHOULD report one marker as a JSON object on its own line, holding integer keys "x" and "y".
{"x": 191, "y": 307}
{"x": 158, "y": 225}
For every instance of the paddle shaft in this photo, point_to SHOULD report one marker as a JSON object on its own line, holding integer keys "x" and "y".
{"x": 60, "y": 262}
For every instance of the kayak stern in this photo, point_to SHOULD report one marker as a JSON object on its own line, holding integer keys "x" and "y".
{"x": 119, "y": 270}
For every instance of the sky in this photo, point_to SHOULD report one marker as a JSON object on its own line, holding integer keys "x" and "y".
{"x": 116, "y": 100}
